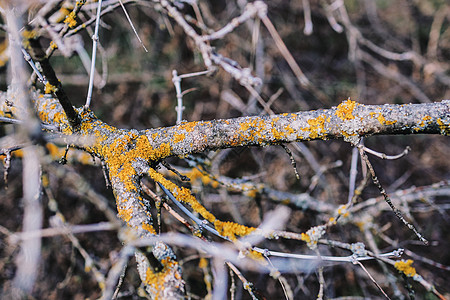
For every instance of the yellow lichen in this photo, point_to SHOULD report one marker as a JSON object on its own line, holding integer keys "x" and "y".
{"x": 178, "y": 137}
{"x": 125, "y": 214}
{"x": 84, "y": 158}
{"x": 158, "y": 280}
{"x": 149, "y": 228}
{"x": 231, "y": 229}
{"x": 183, "y": 194}
{"x": 54, "y": 151}
{"x": 44, "y": 180}
{"x": 381, "y": 119}
{"x": 80, "y": 3}
{"x": 256, "y": 256}
{"x": 251, "y": 193}
{"x": 445, "y": 129}
{"x": 345, "y": 110}
{"x": 29, "y": 34}
{"x": 312, "y": 236}
{"x": 316, "y": 126}
{"x": 342, "y": 211}
{"x": 189, "y": 126}
{"x": 203, "y": 263}
{"x": 244, "y": 126}
{"x": 49, "y": 88}
{"x": 305, "y": 237}
{"x": 195, "y": 174}
{"x": 405, "y": 267}
{"x": 70, "y": 20}
{"x": 53, "y": 45}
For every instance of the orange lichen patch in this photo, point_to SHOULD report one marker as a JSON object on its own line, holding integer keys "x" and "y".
{"x": 289, "y": 130}
{"x": 342, "y": 211}
{"x": 252, "y": 128}
{"x": 405, "y": 267}
{"x": 381, "y": 119}
{"x": 279, "y": 134}
{"x": 60, "y": 118}
{"x": 445, "y": 128}
{"x": 256, "y": 255}
{"x": 158, "y": 280}
{"x": 43, "y": 116}
{"x": 71, "y": 20}
{"x": 244, "y": 126}
{"x": 189, "y": 126}
{"x": 4, "y": 53}
{"x": 45, "y": 181}
{"x": 18, "y": 153}
{"x": 84, "y": 158}
{"x": 361, "y": 225}
{"x": 231, "y": 229}
{"x": 304, "y": 237}
{"x": 149, "y": 228}
{"x": 426, "y": 118}
{"x": 184, "y": 195}
{"x": 203, "y": 263}
{"x": 49, "y": 88}
{"x": 125, "y": 214}
{"x": 7, "y": 110}
{"x": 53, "y": 45}
{"x": 316, "y": 126}
{"x": 251, "y": 193}
{"x": 27, "y": 35}
{"x": 345, "y": 109}
{"x": 195, "y": 174}
{"x": 54, "y": 151}
{"x": 312, "y": 236}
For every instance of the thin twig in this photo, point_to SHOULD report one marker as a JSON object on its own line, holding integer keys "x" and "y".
{"x": 94, "y": 56}
{"x": 396, "y": 211}
{"x": 371, "y": 278}
{"x": 291, "y": 157}
{"x": 384, "y": 156}
{"x": 353, "y": 173}
{"x": 132, "y": 26}
{"x": 307, "y": 15}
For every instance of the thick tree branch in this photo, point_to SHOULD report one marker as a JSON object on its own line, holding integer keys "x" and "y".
{"x": 349, "y": 120}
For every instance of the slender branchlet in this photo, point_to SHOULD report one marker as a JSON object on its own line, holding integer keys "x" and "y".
{"x": 386, "y": 197}
{"x": 53, "y": 85}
